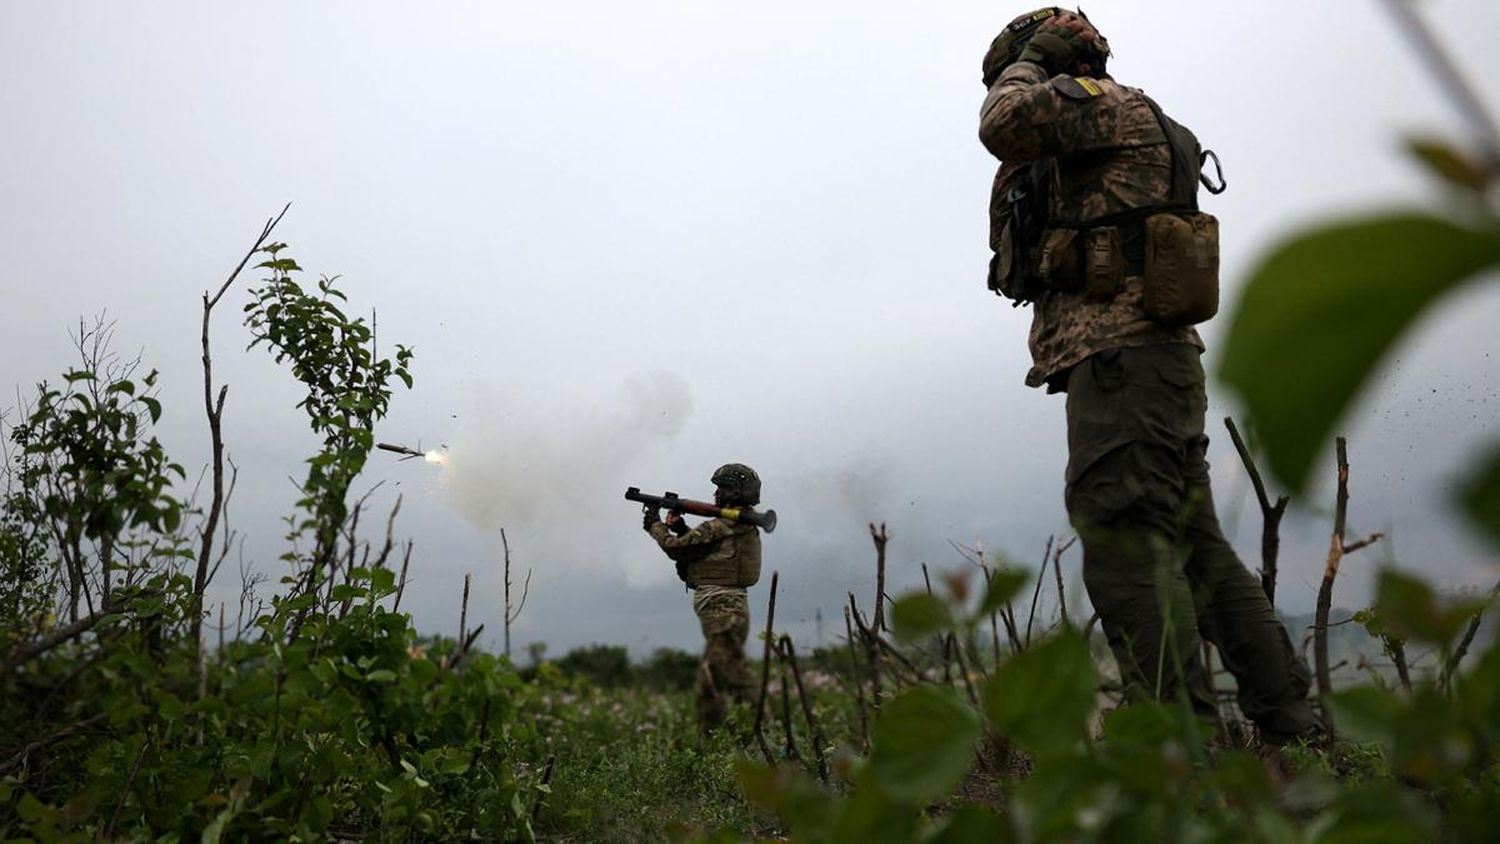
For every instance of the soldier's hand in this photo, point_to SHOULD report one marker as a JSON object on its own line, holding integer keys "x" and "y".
{"x": 675, "y": 523}
{"x": 1058, "y": 43}
{"x": 1055, "y": 50}
{"x": 650, "y": 518}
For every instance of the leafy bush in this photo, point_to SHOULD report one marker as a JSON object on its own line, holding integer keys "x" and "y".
{"x": 328, "y": 719}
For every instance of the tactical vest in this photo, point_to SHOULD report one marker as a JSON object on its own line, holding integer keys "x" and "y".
{"x": 733, "y": 561}
{"x": 1172, "y": 246}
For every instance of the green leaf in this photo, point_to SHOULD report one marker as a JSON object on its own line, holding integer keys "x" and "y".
{"x": 169, "y": 706}
{"x": 125, "y": 387}
{"x": 1409, "y": 608}
{"x": 383, "y": 581}
{"x": 381, "y": 675}
{"x": 1044, "y": 695}
{"x": 1152, "y": 723}
{"x": 280, "y": 265}
{"x": 1005, "y": 585}
{"x": 869, "y": 817}
{"x": 1480, "y": 496}
{"x": 969, "y": 824}
{"x": 1378, "y": 811}
{"x": 919, "y": 614}
{"x": 30, "y": 809}
{"x": 318, "y": 814}
{"x": 924, "y": 744}
{"x": 1366, "y": 713}
{"x": 345, "y": 592}
{"x": 1319, "y": 313}
{"x": 153, "y": 407}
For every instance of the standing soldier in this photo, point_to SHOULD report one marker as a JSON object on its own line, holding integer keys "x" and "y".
{"x": 1094, "y": 221}
{"x": 719, "y": 559}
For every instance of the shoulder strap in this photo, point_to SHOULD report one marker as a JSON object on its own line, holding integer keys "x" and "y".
{"x": 1188, "y": 158}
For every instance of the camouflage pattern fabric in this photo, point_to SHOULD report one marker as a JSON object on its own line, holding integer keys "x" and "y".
{"x": 1155, "y": 562}
{"x": 723, "y": 675}
{"x": 717, "y": 552}
{"x": 1111, "y": 156}
{"x": 720, "y": 558}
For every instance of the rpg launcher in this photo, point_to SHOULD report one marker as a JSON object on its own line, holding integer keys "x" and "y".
{"x": 765, "y": 521}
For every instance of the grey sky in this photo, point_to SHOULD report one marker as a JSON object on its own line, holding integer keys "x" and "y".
{"x": 632, "y": 241}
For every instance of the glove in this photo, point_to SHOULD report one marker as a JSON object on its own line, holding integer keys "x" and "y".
{"x": 651, "y": 518}
{"x": 677, "y": 525}
{"x": 1055, "y": 49}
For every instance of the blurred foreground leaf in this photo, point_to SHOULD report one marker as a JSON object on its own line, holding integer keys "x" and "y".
{"x": 1042, "y": 697}
{"x": 1366, "y": 713}
{"x": 1411, "y": 609}
{"x": 1319, "y": 314}
{"x": 919, "y": 614}
{"x": 924, "y": 744}
{"x": 1481, "y": 496}
{"x": 1004, "y": 585}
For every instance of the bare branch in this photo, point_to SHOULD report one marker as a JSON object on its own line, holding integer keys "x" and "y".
{"x": 859, "y": 687}
{"x": 401, "y": 585}
{"x": 1331, "y": 571}
{"x": 39, "y": 744}
{"x": 880, "y": 538}
{"x": 24, "y": 653}
{"x": 1350, "y": 548}
{"x": 214, "y": 410}
{"x": 525, "y": 590}
{"x": 765, "y": 674}
{"x": 1271, "y": 515}
{"x": 1041, "y": 573}
{"x": 789, "y": 653}
{"x": 1450, "y": 668}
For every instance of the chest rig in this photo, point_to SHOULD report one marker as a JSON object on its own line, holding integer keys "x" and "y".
{"x": 1171, "y": 245}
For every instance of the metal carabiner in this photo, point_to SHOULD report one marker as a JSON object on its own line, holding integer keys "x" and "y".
{"x": 1218, "y": 168}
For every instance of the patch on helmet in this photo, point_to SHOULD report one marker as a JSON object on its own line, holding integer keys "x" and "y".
{"x": 1077, "y": 87}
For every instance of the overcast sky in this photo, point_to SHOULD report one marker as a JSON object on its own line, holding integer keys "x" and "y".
{"x": 633, "y": 241}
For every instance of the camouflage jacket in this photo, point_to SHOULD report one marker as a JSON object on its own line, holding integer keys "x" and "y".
{"x": 718, "y": 552}
{"x": 1111, "y": 156}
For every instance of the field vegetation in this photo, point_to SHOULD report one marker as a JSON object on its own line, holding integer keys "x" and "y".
{"x": 954, "y": 713}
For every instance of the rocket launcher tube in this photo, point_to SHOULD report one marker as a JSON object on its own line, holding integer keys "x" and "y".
{"x": 670, "y": 501}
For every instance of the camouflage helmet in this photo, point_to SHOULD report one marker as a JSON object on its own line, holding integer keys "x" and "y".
{"x": 740, "y": 483}
{"x": 1008, "y": 45}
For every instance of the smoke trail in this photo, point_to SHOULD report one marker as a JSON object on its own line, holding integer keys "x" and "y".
{"x": 553, "y": 474}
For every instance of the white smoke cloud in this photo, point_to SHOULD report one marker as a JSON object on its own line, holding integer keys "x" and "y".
{"x": 552, "y": 474}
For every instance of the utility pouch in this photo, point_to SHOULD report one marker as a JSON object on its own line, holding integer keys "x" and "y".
{"x": 1003, "y": 279}
{"x": 1057, "y": 260}
{"x": 1182, "y": 267}
{"x": 1103, "y": 263}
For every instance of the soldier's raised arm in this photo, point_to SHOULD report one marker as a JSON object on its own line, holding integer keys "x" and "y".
{"x": 1036, "y": 108}
{"x": 1027, "y": 116}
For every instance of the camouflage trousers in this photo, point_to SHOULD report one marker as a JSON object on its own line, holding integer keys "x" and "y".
{"x": 1155, "y": 562}
{"x": 723, "y": 675}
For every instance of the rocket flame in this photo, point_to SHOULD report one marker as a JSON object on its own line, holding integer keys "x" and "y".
{"x": 437, "y": 457}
